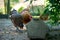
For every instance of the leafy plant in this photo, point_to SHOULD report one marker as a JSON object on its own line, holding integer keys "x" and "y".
{"x": 35, "y": 10}
{"x": 53, "y": 9}
{"x": 20, "y": 9}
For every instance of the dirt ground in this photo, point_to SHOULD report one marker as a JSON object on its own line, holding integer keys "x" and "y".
{"x": 8, "y": 31}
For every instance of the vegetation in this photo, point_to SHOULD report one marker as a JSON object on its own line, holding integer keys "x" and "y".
{"x": 35, "y": 10}
{"x": 53, "y": 9}
{"x": 20, "y": 9}
{"x": 1, "y": 11}
{"x": 16, "y": 1}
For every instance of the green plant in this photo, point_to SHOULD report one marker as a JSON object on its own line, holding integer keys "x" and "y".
{"x": 35, "y": 10}
{"x": 53, "y": 9}
{"x": 16, "y": 1}
{"x": 20, "y": 9}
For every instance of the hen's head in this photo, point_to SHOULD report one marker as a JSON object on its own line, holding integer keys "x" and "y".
{"x": 13, "y": 12}
{"x": 26, "y": 16}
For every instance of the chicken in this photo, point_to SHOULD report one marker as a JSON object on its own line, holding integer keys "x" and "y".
{"x": 20, "y": 19}
{"x": 16, "y": 19}
{"x": 26, "y": 16}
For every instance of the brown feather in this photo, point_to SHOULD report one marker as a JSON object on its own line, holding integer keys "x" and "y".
{"x": 26, "y": 17}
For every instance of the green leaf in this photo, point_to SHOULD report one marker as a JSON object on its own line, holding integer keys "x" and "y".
{"x": 20, "y": 9}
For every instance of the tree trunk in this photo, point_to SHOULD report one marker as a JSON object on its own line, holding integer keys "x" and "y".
{"x": 8, "y": 6}
{"x": 5, "y": 6}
